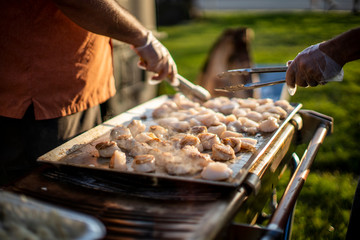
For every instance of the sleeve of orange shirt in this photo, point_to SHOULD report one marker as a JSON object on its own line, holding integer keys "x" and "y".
{"x": 108, "y": 18}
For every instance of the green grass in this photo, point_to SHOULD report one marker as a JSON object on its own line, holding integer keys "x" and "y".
{"x": 324, "y": 204}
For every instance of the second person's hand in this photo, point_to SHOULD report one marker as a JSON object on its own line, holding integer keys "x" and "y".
{"x": 312, "y": 67}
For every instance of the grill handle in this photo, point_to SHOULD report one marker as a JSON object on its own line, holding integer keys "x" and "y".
{"x": 280, "y": 217}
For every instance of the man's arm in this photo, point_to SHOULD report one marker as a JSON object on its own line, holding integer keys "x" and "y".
{"x": 343, "y": 48}
{"x": 108, "y": 18}
{"x": 105, "y": 17}
{"x": 323, "y": 62}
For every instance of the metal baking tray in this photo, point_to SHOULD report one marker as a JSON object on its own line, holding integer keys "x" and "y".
{"x": 23, "y": 218}
{"x": 81, "y": 151}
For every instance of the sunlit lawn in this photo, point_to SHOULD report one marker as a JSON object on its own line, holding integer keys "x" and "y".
{"x": 324, "y": 205}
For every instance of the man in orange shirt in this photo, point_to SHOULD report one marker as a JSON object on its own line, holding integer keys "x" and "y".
{"x": 56, "y": 68}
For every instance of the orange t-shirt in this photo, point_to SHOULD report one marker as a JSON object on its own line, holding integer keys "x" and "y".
{"x": 50, "y": 62}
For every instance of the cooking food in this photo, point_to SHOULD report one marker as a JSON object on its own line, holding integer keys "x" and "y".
{"x": 248, "y": 143}
{"x": 159, "y": 131}
{"x": 233, "y": 142}
{"x": 192, "y": 141}
{"x": 136, "y": 127}
{"x": 216, "y": 171}
{"x": 222, "y": 152}
{"x": 106, "y": 149}
{"x": 118, "y": 160}
{"x": 218, "y": 130}
{"x": 208, "y": 140}
{"x": 144, "y": 163}
{"x": 269, "y": 125}
{"x": 190, "y": 138}
{"x": 228, "y": 134}
{"x": 119, "y": 130}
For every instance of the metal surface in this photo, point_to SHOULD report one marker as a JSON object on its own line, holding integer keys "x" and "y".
{"x": 249, "y": 86}
{"x": 248, "y": 71}
{"x": 81, "y": 152}
{"x": 242, "y": 71}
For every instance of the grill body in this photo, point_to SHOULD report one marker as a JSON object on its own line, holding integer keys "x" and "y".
{"x": 141, "y": 207}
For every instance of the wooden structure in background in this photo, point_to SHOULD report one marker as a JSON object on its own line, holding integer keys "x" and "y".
{"x": 230, "y": 51}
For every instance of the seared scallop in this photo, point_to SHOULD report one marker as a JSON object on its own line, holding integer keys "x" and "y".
{"x": 221, "y": 152}
{"x": 198, "y": 130}
{"x": 144, "y": 163}
{"x": 269, "y": 125}
{"x": 118, "y": 131}
{"x": 228, "y": 134}
{"x": 106, "y": 149}
{"x": 159, "y": 131}
{"x": 248, "y": 144}
{"x": 218, "y": 130}
{"x": 118, "y": 161}
{"x": 216, "y": 171}
{"x": 233, "y": 142}
{"x": 136, "y": 127}
{"x": 208, "y": 140}
{"x": 191, "y": 140}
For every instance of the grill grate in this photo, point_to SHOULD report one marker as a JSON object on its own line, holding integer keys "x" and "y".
{"x": 136, "y": 186}
{"x": 128, "y": 207}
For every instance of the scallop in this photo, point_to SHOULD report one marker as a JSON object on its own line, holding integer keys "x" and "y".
{"x": 191, "y": 140}
{"x": 159, "y": 131}
{"x": 144, "y": 163}
{"x": 118, "y": 161}
{"x": 221, "y": 152}
{"x": 198, "y": 130}
{"x": 208, "y": 140}
{"x": 228, "y": 134}
{"x": 118, "y": 131}
{"x": 218, "y": 130}
{"x": 255, "y": 116}
{"x": 136, "y": 127}
{"x": 106, "y": 149}
{"x": 216, "y": 171}
{"x": 248, "y": 143}
{"x": 233, "y": 142}
{"x": 269, "y": 125}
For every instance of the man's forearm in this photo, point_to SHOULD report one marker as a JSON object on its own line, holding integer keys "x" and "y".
{"x": 343, "y": 48}
{"x": 105, "y": 17}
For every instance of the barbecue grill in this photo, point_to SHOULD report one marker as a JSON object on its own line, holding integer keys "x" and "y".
{"x": 144, "y": 206}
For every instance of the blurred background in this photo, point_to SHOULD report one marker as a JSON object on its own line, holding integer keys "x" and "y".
{"x": 276, "y": 31}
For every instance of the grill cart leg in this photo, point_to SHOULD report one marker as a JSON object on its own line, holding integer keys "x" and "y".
{"x": 320, "y": 125}
{"x": 288, "y": 228}
{"x": 286, "y": 234}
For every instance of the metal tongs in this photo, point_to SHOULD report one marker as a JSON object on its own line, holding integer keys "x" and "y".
{"x": 246, "y": 71}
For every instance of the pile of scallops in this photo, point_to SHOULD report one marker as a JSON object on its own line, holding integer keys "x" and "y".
{"x": 187, "y": 138}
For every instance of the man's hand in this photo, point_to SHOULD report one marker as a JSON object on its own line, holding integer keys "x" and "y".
{"x": 312, "y": 67}
{"x": 156, "y": 58}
